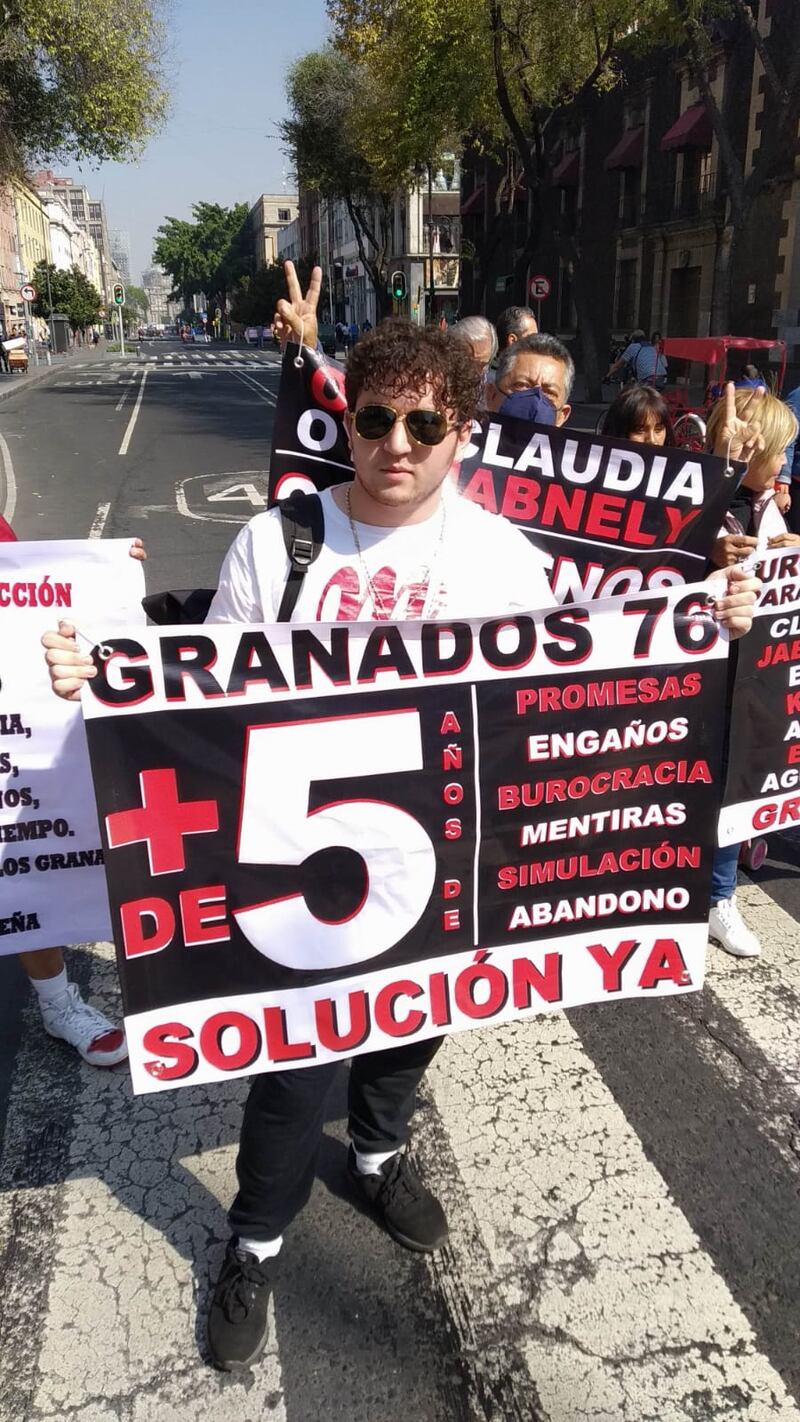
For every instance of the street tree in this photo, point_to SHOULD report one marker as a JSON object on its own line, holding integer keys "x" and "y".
{"x": 327, "y": 92}
{"x": 534, "y": 63}
{"x": 73, "y": 295}
{"x": 136, "y": 305}
{"x": 256, "y": 298}
{"x": 79, "y": 80}
{"x": 211, "y": 254}
{"x": 522, "y": 63}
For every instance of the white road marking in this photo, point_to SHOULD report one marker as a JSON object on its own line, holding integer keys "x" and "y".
{"x": 265, "y": 395}
{"x": 100, "y": 518}
{"x": 123, "y": 449}
{"x": 10, "y": 481}
{"x": 125, "y": 393}
{"x": 240, "y": 478}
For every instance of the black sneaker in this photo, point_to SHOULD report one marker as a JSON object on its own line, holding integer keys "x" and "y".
{"x": 237, "y": 1321}
{"x": 411, "y": 1214}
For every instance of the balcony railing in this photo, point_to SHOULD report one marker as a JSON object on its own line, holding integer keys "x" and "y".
{"x": 678, "y": 201}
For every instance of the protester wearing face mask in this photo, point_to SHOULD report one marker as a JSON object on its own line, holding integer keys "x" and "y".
{"x": 536, "y": 363}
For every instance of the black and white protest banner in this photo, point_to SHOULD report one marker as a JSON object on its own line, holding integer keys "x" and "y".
{"x": 324, "y": 840}
{"x": 613, "y": 516}
{"x": 309, "y": 445}
{"x": 52, "y": 884}
{"x": 762, "y": 790}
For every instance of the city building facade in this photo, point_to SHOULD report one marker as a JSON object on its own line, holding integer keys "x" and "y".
{"x": 120, "y": 247}
{"x": 33, "y": 243}
{"x": 10, "y": 304}
{"x": 270, "y": 213}
{"x": 421, "y": 237}
{"x": 157, "y": 287}
{"x": 637, "y": 196}
{"x": 89, "y": 215}
{"x": 288, "y": 242}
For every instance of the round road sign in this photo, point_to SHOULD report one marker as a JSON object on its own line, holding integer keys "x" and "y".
{"x": 539, "y": 287}
{"x": 28, "y": 292}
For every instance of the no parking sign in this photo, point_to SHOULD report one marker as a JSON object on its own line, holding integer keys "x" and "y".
{"x": 539, "y": 288}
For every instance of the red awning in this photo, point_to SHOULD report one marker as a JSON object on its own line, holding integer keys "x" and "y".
{"x": 629, "y": 152}
{"x": 475, "y": 202}
{"x": 692, "y": 130}
{"x": 567, "y": 173}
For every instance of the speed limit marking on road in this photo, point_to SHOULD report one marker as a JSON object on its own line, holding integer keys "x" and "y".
{"x": 539, "y": 288}
{"x": 224, "y": 498}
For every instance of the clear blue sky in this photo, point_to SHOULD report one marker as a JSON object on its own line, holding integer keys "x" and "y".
{"x": 225, "y": 65}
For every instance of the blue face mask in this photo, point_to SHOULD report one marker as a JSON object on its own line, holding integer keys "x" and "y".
{"x": 532, "y": 405}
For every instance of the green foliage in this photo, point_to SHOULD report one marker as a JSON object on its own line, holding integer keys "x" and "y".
{"x": 326, "y": 91}
{"x": 136, "y": 303}
{"x": 210, "y": 254}
{"x": 72, "y": 293}
{"x": 79, "y": 79}
{"x": 255, "y": 299}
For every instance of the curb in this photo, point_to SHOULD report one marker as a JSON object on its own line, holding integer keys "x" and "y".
{"x": 32, "y": 378}
{"x": 36, "y": 377}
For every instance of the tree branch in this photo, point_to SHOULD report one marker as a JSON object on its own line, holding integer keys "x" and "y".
{"x": 504, "y": 98}
{"x": 773, "y": 78}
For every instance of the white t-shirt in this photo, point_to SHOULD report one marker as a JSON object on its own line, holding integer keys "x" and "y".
{"x": 481, "y": 566}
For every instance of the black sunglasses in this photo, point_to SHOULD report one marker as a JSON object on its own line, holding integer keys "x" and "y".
{"x": 374, "y": 422}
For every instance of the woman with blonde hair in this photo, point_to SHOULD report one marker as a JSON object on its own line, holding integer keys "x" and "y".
{"x": 756, "y": 427}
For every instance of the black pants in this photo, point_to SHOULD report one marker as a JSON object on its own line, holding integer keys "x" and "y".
{"x": 282, "y": 1129}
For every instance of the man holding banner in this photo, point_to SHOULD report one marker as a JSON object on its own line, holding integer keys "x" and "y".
{"x": 398, "y": 544}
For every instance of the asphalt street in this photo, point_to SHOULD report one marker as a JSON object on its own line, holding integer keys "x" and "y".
{"x": 622, "y": 1182}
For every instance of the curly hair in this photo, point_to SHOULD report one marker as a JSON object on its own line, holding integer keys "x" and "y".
{"x": 399, "y": 358}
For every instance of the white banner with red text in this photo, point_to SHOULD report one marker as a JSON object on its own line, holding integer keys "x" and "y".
{"x": 52, "y": 883}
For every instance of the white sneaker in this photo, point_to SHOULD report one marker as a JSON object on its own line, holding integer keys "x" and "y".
{"x": 727, "y": 928}
{"x": 72, "y": 1020}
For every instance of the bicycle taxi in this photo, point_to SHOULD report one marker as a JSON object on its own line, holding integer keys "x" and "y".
{"x": 690, "y": 395}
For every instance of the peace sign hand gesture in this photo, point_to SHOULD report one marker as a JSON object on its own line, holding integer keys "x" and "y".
{"x": 296, "y": 318}
{"x": 739, "y": 436}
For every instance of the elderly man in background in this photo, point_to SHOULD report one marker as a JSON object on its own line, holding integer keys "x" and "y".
{"x": 514, "y": 324}
{"x": 480, "y": 339}
{"x": 479, "y": 336}
{"x": 531, "y": 376}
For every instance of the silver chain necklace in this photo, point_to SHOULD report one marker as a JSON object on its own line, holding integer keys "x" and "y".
{"x": 377, "y": 600}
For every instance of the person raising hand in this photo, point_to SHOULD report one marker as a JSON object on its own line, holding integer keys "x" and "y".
{"x": 296, "y": 315}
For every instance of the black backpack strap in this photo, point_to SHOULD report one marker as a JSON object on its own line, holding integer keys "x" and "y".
{"x": 303, "y": 524}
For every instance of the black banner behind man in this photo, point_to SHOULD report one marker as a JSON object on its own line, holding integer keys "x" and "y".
{"x": 613, "y": 516}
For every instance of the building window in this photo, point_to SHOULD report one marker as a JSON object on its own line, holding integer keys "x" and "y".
{"x": 284, "y": 214}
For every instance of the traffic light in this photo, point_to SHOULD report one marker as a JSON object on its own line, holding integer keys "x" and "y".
{"x": 119, "y": 294}
{"x": 399, "y": 287}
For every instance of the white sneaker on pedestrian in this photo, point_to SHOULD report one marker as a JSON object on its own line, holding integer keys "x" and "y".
{"x": 72, "y": 1020}
{"x": 727, "y": 928}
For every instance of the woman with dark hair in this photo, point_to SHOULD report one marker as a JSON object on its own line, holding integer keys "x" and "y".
{"x": 640, "y": 414}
